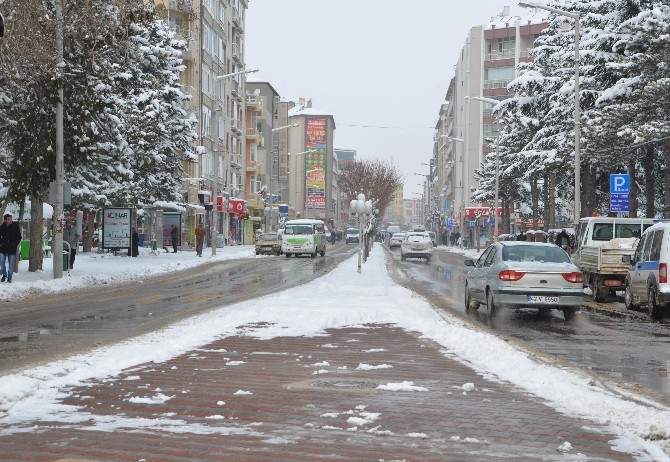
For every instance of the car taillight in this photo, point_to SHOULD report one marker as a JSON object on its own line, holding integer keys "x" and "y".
{"x": 573, "y": 277}
{"x": 510, "y": 275}
{"x": 663, "y": 273}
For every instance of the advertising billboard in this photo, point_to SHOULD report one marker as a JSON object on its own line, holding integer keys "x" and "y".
{"x": 315, "y": 163}
{"x": 116, "y": 228}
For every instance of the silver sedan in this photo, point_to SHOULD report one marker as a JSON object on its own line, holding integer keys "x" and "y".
{"x": 524, "y": 274}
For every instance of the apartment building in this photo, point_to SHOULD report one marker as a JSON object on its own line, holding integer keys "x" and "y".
{"x": 313, "y": 186}
{"x": 215, "y": 78}
{"x": 486, "y": 65}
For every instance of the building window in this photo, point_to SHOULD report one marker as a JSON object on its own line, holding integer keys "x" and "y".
{"x": 499, "y": 73}
{"x": 491, "y": 130}
{"x": 253, "y": 152}
{"x": 255, "y": 184}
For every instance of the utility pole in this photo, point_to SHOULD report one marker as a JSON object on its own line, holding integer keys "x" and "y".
{"x": 57, "y": 219}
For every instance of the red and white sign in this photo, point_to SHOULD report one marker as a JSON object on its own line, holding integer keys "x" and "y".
{"x": 221, "y": 204}
{"x": 470, "y": 212}
{"x": 237, "y": 206}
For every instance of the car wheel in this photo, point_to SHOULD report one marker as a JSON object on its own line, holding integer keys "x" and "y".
{"x": 427, "y": 259}
{"x": 491, "y": 307}
{"x": 652, "y": 306}
{"x": 313, "y": 254}
{"x": 323, "y": 252}
{"x": 569, "y": 313}
{"x": 288, "y": 255}
{"x": 628, "y": 298}
{"x": 470, "y": 303}
{"x": 402, "y": 257}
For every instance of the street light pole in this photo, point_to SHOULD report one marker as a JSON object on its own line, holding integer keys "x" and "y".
{"x": 577, "y": 113}
{"x": 56, "y": 219}
{"x": 497, "y": 187}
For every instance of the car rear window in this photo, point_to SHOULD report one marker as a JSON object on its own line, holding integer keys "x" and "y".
{"x": 535, "y": 254}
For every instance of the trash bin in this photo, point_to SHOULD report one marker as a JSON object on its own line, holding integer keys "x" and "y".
{"x": 141, "y": 240}
{"x": 219, "y": 240}
{"x": 66, "y": 260}
{"x": 25, "y": 250}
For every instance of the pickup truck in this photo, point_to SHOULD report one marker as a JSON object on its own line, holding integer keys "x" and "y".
{"x": 604, "y": 267}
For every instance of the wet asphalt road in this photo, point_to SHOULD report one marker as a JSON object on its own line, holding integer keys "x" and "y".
{"x": 603, "y": 339}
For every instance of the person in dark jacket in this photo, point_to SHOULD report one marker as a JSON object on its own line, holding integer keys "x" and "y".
{"x": 174, "y": 234}
{"x": 10, "y": 238}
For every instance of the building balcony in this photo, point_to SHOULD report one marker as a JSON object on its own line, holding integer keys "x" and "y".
{"x": 235, "y": 125}
{"x": 492, "y": 84}
{"x": 234, "y": 88}
{"x": 236, "y": 160}
{"x": 237, "y": 53}
{"x": 254, "y": 102}
{"x": 237, "y": 19}
{"x": 253, "y": 135}
{"x": 253, "y": 167}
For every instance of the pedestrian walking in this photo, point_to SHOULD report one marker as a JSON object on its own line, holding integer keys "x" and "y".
{"x": 71, "y": 236}
{"x": 134, "y": 250}
{"x": 199, "y": 239}
{"x": 10, "y": 238}
{"x": 174, "y": 234}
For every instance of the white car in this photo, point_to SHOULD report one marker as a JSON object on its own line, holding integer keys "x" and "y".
{"x": 417, "y": 245}
{"x": 396, "y": 240}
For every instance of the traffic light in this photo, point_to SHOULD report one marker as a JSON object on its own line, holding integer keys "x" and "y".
{"x": 2, "y": 25}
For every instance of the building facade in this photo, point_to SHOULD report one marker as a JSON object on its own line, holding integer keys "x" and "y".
{"x": 215, "y": 79}
{"x": 465, "y": 130}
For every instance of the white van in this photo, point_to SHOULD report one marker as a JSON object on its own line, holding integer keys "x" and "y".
{"x": 306, "y": 237}
{"x": 647, "y": 280}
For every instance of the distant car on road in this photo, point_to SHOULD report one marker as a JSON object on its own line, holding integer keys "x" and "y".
{"x": 518, "y": 274}
{"x": 268, "y": 243}
{"x": 416, "y": 245}
{"x": 352, "y": 236}
{"x": 396, "y": 240}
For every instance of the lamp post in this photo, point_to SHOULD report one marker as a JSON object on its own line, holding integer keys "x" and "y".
{"x": 57, "y": 218}
{"x": 215, "y": 183}
{"x": 575, "y": 16}
{"x": 497, "y": 187}
{"x": 269, "y": 215}
{"x": 361, "y": 208}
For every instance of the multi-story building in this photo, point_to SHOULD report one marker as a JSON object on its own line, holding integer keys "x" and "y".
{"x": 463, "y": 134}
{"x": 413, "y": 211}
{"x": 312, "y": 188}
{"x": 215, "y": 79}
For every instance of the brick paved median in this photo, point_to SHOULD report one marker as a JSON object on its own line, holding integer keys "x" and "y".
{"x": 305, "y": 399}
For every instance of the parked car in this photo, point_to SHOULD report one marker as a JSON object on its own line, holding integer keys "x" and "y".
{"x": 518, "y": 274}
{"x": 352, "y": 236}
{"x": 396, "y": 240}
{"x": 268, "y": 243}
{"x": 647, "y": 279}
{"x": 416, "y": 245}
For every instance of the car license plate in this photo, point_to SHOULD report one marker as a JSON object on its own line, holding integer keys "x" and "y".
{"x": 542, "y": 299}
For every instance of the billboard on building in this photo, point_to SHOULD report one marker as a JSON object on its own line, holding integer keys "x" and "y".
{"x": 315, "y": 163}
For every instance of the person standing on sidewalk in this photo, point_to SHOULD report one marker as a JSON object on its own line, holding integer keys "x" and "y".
{"x": 10, "y": 238}
{"x": 199, "y": 239}
{"x": 174, "y": 234}
{"x": 71, "y": 236}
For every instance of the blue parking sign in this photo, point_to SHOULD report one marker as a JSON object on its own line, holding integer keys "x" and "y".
{"x": 620, "y": 183}
{"x": 450, "y": 223}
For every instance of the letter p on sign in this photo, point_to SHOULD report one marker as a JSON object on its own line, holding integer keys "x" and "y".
{"x": 620, "y": 183}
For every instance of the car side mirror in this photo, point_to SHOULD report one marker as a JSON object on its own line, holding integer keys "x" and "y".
{"x": 469, "y": 263}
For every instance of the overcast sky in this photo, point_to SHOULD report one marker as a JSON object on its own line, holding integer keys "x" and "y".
{"x": 380, "y": 63}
